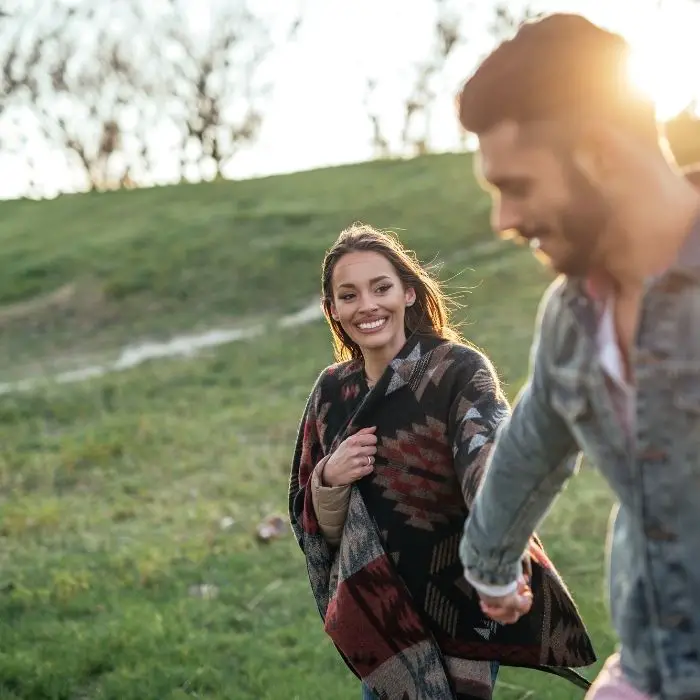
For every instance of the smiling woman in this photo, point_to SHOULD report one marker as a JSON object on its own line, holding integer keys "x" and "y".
{"x": 389, "y": 454}
{"x": 375, "y": 294}
{"x": 369, "y": 302}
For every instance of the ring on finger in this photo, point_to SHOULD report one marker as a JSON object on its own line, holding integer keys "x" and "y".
{"x": 369, "y": 461}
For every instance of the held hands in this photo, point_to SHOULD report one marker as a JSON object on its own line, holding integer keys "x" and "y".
{"x": 353, "y": 459}
{"x": 509, "y": 609}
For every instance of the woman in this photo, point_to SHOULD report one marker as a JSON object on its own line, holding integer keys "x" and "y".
{"x": 390, "y": 451}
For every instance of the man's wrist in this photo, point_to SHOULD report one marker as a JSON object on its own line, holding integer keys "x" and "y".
{"x": 491, "y": 590}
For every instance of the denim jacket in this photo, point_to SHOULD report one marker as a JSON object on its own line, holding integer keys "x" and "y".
{"x": 654, "y": 470}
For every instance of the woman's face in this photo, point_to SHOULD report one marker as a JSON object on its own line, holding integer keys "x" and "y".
{"x": 369, "y": 302}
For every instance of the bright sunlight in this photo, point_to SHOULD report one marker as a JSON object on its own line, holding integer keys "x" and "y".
{"x": 664, "y": 52}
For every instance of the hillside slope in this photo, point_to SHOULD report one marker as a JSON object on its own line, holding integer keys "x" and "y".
{"x": 129, "y": 565}
{"x": 86, "y": 272}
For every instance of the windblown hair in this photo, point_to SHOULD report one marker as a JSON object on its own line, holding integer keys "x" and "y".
{"x": 428, "y": 315}
{"x": 562, "y": 68}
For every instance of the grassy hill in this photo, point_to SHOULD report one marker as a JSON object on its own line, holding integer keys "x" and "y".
{"x": 86, "y": 272}
{"x": 121, "y": 496}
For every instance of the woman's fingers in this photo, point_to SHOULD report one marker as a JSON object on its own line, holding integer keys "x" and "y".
{"x": 361, "y": 472}
{"x": 364, "y": 439}
{"x": 364, "y": 451}
{"x": 361, "y": 466}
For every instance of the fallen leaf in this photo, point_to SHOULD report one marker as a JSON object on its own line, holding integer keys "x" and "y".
{"x": 273, "y": 527}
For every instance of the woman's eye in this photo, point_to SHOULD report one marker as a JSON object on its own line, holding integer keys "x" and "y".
{"x": 347, "y": 297}
{"x": 384, "y": 288}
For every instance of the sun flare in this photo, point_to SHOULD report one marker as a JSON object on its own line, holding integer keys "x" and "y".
{"x": 662, "y": 62}
{"x": 657, "y": 77}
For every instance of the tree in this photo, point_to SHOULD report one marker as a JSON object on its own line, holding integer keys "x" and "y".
{"x": 505, "y": 22}
{"x": 72, "y": 82}
{"x": 214, "y": 93}
{"x": 447, "y": 36}
{"x": 417, "y": 107}
{"x": 117, "y": 88}
{"x": 380, "y": 144}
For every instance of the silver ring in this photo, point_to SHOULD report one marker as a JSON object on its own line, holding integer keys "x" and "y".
{"x": 369, "y": 461}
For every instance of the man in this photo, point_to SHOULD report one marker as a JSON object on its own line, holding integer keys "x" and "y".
{"x": 571, "y": 155}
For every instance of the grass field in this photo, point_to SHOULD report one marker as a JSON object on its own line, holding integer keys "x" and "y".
{"x": 121, "y": 497}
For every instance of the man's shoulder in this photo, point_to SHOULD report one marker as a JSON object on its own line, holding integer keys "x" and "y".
{"x": 555, "y": 305}
{"x": 553, "y": 298}
{"x": 556, "y": 326}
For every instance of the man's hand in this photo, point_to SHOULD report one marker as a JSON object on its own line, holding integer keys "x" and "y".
{"x": 508, "y": 609}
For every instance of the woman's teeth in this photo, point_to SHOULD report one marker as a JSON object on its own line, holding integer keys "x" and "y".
{"x": 371, "y": 325}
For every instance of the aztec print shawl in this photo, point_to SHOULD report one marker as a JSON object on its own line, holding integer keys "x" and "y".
{"x": 392, "y": 596}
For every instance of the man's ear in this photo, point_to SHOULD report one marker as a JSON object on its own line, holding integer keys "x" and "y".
{"x": 598, "y": 153}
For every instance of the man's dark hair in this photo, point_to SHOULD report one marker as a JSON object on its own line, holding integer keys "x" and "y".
{"x": 558, "y": 68}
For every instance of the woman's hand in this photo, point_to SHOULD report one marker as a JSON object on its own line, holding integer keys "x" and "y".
{"x": 353, "y": 459}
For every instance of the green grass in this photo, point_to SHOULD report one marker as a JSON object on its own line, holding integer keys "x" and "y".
{"x": 87, "y": 272}
{"x": 112, "y": 492}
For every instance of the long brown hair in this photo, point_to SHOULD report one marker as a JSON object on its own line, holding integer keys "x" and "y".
{"x": 428, "y": 315}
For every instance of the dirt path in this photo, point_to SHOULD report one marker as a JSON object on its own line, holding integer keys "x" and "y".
{"x": 178, "y": 346}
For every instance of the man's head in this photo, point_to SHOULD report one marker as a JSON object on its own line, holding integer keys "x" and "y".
{"x": 562, "y": 133}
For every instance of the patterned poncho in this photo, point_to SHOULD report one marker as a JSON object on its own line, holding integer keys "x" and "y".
{"x": 392, "y": 596}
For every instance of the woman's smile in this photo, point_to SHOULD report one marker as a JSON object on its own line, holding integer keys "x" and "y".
{"x": 372, "y": 325}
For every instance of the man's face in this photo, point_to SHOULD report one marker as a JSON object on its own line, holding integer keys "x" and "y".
{"x": 540, "y": 196}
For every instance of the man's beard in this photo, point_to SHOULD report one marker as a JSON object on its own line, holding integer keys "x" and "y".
{"x": 582, "y": 224}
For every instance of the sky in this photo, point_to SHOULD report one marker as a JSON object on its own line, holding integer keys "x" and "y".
{"x": 317, "y": 115}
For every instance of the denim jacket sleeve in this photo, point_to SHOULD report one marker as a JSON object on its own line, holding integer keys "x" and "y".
{"x": 533, "y": 457}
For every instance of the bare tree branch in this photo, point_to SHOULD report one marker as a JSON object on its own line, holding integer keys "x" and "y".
{"x": 380, "y": 145}
{"x": 505, "y": 22}
{"x": 447, "y": 36}
{"x": 77, "y": 92}
{"x": 214, "y": 87}
{"x": 102, "y": 82}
